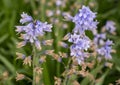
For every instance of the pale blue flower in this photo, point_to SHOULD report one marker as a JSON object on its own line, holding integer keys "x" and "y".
{"x": 82, "y": 42}
{"x": 110, "y": 26}
{"x": 74, "y": 38}
{"x": 39, "y": 29}
{"x": 84, "y": 20}
{"x": 46, "y": 27}
{"x": 76, "y": 50}
{"x": 79, "y": 55}
{"x": 33, "y": 29}
{"x": 25, "y": 18}
{"x": 106, "y": 50}
{"x": 99, "y": 39}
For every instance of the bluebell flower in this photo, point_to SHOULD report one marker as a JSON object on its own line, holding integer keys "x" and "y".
{"x": 110, "y": 26}
{"x": 74, "y": 38}
{"x": 76, "y": 50}
{"x": 25, "y": 18}
{"x": 106, "y": 50}
{"x": 108, "y": 43}
{"x": 40, "y": 28}
{"x": 84, "y": 20}
{"x": 82, "y": 42}
{"x": 81, "y": 58}
{"x": 99, "y": 39}
{"x": 20, "y": 56}
{"x": 32, "y": 30}
{"x": 79, "y": 55}
{"x": 46, "y": 27}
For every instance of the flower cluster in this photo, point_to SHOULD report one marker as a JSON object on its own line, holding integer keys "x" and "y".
{"x": 106, "y": 49}
{"x": 82, "y": 43}
{"x": 84, "y": 20}
{"x": 32, "y": 30}
{"x": 103, "y": 47}
{"x": 79, "y": 45}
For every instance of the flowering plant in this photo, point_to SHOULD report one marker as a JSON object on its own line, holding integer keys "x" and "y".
{"x": 84, "y": 52}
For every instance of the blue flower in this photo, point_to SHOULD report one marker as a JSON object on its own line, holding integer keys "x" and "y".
{"x": 76, "y": 50}
{"x": 106, "y": 50}
{"x": 99, "y": 39}
{"x": 32, "y": 30}
{"x": 79, "y": 55}
{"x": 110, "y": 26}
{"x": 82, "y": 42}
{"x": 74, "y": 38}
{"x": 25, "y": 18}
{"x": 84, "y": 20}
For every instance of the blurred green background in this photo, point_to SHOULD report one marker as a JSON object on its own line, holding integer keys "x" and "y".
{"x": 10, "y": 11}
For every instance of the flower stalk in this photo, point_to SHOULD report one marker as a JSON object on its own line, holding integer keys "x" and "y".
{"x": 34, "y": 65}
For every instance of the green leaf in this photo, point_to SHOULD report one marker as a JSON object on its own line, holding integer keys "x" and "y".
{"x": 7, "y": 64}
{"x": 102, "y": 78}
{"x": 3, "y": 38}
{"x": 46, "y": 75}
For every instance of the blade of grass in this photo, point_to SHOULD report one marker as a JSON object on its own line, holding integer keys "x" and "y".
{"x": 12, "y": 22}
{"x": 3, "y": 38}
{"x": 46, "y": 77}
{"x": 7, "y": 64}
{"x": 102, "y": 78}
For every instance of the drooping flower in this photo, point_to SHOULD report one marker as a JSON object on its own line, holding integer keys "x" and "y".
{"x": 74, "y": 38}
{"x": 79, "y": 55}
{"x": 106, "y": 50}
{"x": 32, "y": 30}
{"x": 110, "y": 26}
{"x": 27, "y": 61}
{"x": 25, "y": 18}
{"x": 79, "y": 46}
{"x": 20, "y": 56}
{"x": 40, "y": 28}
{"x": 76, "y": 51}
{"x": 99, "y": 39}
{"x": 82, "y": 42}
{"x": 19, "y": 76}
{"x": 84, "y": 20}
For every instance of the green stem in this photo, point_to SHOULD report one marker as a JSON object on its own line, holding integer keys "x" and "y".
{"x": 34, "y": 64}
{"x": 46, "y": 77}
{"x": 58, "y": 69}
{"x": 32, "y": 2}
{"x": 65, "y": 82}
